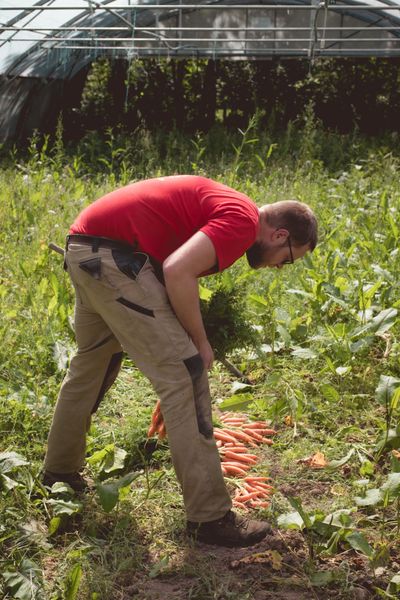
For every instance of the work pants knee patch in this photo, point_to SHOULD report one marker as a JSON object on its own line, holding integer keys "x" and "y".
{"x": 195, "y": 367}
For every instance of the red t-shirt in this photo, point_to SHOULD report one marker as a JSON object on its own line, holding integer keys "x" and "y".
{"x": 159, "y": 215}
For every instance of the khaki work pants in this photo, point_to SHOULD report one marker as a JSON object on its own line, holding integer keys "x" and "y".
{"x": 121, "y": 306}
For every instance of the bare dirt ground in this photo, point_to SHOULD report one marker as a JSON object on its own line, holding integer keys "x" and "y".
{"x": 277, "y": 568}
{"x": 274, "y": 569}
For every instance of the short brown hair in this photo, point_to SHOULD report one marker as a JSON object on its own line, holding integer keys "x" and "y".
{"x": 297, "y": 218}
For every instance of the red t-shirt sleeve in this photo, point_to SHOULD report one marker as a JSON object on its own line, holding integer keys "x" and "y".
{"x": 232, "y": 230}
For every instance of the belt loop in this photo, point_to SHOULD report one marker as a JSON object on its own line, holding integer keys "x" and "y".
{"x": 95, "y": 244}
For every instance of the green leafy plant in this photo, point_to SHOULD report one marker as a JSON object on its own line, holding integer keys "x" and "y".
{"x": 246, "y": 139}
{"x": 388, "y": 396}
{"x": 227, "y": 326}
{"x": 26, "y": 582}
{"x": 63, "y": 505}
{"x": 387, "y": 493}
{"x": 323, "y": 532}
{"x": 393, "y": 588}
{"x": 9, "y": 463}
{"x": 110, "y": 492}
{"x": 72, "y": 582}
{"x": 109, "y": 460}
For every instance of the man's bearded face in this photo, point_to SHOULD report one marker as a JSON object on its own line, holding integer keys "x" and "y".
{"x": 256, "y": 254}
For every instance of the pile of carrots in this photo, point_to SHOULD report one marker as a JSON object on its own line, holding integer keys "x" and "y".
{"x": 232, "y": 441}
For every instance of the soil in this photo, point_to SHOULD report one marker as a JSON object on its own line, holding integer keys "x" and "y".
{"x": 277, "y": 568}
{"x": 273, "y": 569}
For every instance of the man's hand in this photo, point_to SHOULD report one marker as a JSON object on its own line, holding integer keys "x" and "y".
{"x": 206, "y": 353}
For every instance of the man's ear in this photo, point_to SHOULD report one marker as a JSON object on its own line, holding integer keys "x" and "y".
{"x": 280, "y": 235}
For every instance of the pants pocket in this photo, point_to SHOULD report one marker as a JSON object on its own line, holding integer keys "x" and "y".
{"x": 129, "y": 263}
{"x": 92, "y": 266}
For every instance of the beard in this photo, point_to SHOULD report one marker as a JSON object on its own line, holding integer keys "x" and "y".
{"x": 255, "y": 254}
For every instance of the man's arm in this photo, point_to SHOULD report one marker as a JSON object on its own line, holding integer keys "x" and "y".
{"x": 181, "y": 270}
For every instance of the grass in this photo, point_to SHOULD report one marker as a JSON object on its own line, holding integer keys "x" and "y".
{"x": 329, "y": 331}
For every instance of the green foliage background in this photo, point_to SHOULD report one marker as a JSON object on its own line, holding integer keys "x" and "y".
{"x": 197, "y": 95}
{"x": 327, "y": 332}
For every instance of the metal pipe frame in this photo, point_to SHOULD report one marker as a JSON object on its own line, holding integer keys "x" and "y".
{"x": 161, "y": 38}
{"x": 184, "y": 29}
{"x": 184, "y": 6}
{"x": 194, "y": 40}
{"x": 232, "y": 54}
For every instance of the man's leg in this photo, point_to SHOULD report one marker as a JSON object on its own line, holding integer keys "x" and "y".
{"x": 92, "y": 371}
{"x": 129, "y": 298}
{"x": 182, "y": 386}
{"x": 137, "y": 310}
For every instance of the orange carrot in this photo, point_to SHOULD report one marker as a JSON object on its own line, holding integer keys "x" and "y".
{"x": 162, "y": 432}
{"x": 241, "y": 460}
{"x": 151, "y": 430}
{"x": 233, "y": 448}
{"x": 235, "y": 463}
{"x": 253, "y": 456}
{"x": 260, "y": 491}
{"x": 236, "y": 443}
{"x": 247, "y": 458}
{"x": 246, "y": 497}
{"x": 241, "y": 435}
{"x": 156, "y": 420}
{"x": 233, "y": 470}
{"x": 261, "y": 431}
{"x": 265, "y": 487}
{"x": 259, "y": 504}
{"x": 248, "y": 488}
{"x": 253, "y": 434}
{"x": 222, "y": 435}
{"x": 267, "y": 441}
{"x": 260, "y": 483}
{"x": 251, "y": 478}
{"x": 231, "y": 415}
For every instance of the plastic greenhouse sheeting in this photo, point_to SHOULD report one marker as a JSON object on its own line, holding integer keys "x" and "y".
{"x": 56, "y": 38}
{"x": 47, "y": 45}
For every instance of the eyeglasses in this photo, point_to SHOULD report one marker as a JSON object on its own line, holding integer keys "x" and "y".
{"x": 290, "y": 260}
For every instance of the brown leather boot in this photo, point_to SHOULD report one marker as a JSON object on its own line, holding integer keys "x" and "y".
{"x": 231, "y": 530}
{"x": 75, "y": 480}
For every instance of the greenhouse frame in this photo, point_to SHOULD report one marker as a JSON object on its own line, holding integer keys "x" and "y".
{"x": 47, "y": 42}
